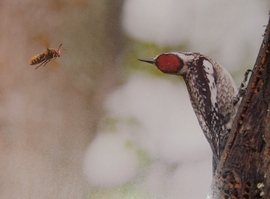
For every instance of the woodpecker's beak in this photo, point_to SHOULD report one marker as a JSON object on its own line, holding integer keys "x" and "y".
{"x": 148, "y": 60}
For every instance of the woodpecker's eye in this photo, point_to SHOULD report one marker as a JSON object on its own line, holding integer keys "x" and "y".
{"x": 168, "y": 63}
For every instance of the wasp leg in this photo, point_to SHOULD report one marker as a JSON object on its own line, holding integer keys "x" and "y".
{"x": 47, "y": 61}
{"x": 43, "y": 63}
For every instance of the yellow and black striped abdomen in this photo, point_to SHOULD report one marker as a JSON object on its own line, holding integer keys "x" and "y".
{"x": 38, "y": 58}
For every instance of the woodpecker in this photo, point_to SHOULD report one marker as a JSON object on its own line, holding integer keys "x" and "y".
{"x": 212, "y": 92}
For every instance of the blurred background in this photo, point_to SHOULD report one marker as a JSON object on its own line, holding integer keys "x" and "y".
{"x": 96, "y": 123}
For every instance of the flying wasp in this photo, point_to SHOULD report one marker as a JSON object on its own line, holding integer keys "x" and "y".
{"x": 46, "y": 57}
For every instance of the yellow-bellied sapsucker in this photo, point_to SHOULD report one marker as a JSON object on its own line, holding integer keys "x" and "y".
{"x": 212, "y": 91}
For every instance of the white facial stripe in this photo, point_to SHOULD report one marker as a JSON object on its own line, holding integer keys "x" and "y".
{"x": 186, "y": 57}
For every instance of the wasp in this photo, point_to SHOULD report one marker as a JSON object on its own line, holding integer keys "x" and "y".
{"x": 46, "y": 57}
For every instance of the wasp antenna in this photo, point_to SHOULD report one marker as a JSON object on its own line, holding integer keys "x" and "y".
{"x": 59, "y": 47}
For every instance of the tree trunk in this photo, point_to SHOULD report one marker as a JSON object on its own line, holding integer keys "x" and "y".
{"x": 243, "y": 171}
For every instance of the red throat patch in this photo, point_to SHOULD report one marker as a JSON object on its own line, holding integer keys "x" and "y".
{"x": 168, "y": 63}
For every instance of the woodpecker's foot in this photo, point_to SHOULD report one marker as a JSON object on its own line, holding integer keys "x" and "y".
{"x": 243, "y": 87}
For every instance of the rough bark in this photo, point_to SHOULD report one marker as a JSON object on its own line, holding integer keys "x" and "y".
{"x": 244, "y": 168}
